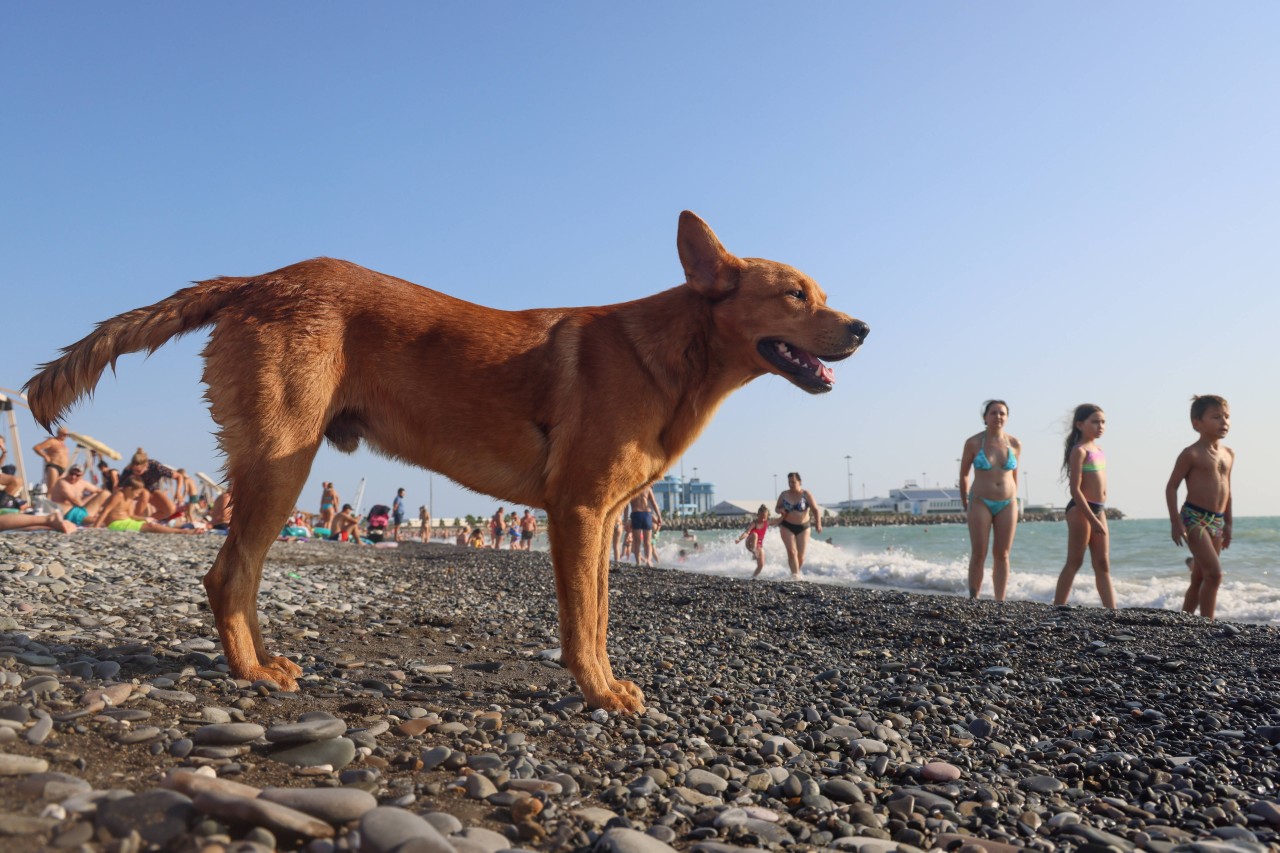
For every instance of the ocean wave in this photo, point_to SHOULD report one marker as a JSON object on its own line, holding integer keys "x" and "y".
{"x": 1238, "y": 601}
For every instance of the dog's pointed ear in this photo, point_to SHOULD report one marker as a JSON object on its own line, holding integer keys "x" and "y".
{"x": 708, "y": 267}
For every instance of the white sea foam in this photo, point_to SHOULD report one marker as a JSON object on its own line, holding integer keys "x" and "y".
{"x": 898, "y": 568}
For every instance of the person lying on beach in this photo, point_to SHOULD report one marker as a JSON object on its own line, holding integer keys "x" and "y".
{"x": 1204, "y": 522}
{"x": 22, "y": 521}
{"x": 125, "y": 507}
{"x": 79, "y": 500}
{"x": 755, "y": 538}
{"x": 10, "y": 488}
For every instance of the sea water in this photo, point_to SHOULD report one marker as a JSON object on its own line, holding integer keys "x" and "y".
{"x": 1147, "y": 569}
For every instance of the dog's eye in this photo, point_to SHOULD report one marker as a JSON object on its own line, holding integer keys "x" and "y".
{"x": 796, "y": 294}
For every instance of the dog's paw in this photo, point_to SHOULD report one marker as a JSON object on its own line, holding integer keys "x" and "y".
{"x": 625, "y": 698}
{"x": 281, "y": 670}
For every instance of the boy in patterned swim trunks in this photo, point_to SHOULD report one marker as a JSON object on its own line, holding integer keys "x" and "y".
{"x": 1204, "y": 520}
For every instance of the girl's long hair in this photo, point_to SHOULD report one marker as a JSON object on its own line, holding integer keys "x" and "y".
{"x": 1083, "y": 412}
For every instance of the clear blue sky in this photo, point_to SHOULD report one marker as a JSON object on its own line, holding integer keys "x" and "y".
{"x": 1049, "y": 203}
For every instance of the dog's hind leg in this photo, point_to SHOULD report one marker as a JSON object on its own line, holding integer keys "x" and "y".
{"x": 577, "y": 546}
{"x": 270, "y": 433}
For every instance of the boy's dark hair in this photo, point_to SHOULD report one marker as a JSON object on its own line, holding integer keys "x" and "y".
{"x": 1202, "y": 403}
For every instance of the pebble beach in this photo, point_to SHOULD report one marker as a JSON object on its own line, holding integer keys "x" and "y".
{"x": 434, "y": 716}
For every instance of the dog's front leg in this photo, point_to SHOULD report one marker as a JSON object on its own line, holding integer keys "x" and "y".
{"x": 618, "y": 685}
{"x": 577, "y": 548}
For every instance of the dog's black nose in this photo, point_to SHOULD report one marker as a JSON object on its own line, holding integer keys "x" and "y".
{"x": 859, "y": 329}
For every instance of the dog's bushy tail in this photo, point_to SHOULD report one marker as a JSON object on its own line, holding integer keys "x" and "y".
{"x": 66, "y": 379}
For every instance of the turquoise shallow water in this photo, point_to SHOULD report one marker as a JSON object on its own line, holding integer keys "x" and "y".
{"x": 1147, "y": 568}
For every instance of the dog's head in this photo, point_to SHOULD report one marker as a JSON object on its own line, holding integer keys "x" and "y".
{"x": 775, "y": 313}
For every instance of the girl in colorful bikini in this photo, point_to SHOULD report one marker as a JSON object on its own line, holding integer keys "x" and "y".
{"x": 797, "y": 506}
{"x": 1085, "y": 466}
{"x": 992, "y": 507}
{"x": 755, "y": 537}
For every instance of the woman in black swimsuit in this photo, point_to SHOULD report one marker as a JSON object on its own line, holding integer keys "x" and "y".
{"x": 797, "y": 506}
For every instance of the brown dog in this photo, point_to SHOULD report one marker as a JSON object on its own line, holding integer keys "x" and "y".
{"x": 579, "y": 409}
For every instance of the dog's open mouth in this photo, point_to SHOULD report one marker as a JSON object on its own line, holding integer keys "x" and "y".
{"x": 801, "y": 367}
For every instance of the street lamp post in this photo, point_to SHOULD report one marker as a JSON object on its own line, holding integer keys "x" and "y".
{"x": 775, "y": 484}
{"x": 848, "y": 474}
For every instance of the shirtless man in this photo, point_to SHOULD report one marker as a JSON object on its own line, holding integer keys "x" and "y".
{"x": 220, "y": 515}
{"x": 644, "y": 517}
{"x": 528, "y": 530}
{"x": 498, "y": 526}
{"x": 78, "y": 499}
{"x": 346, "y": 522}
{"x": 123, "y": 509}
{"x": 10, "y": 488}
{"x": 53, "y": 450}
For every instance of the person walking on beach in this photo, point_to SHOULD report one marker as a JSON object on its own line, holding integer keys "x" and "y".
{"x": 755, "y": 538}
{"x": 397, "y": 514}
{"x": 1085, "y": 465}
{"x": 328, "y": 505}
{"x": 1204, "y": 521}
{"x": 797, "y": 506}
{"x": 992, "y": 507}
{"x": 424, "y": 520}
{"x": 53, "y": 450}
{"x": 644, "y": 516}
{"x": 528, "y": 530}
{"x": 497, "y": 527}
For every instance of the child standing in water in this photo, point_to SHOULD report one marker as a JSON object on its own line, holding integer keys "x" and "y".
{"x": 1086, "y": 468}
{"x": 755, "y": 537}
{"x": 1205, "y": 518}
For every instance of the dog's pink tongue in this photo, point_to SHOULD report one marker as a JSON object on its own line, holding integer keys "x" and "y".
{"x": 826, "y": 374}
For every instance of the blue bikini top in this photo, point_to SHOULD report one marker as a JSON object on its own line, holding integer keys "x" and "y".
{"x": 983, "y": 464}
